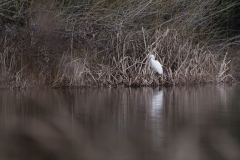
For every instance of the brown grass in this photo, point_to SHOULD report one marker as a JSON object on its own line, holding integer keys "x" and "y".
{"x": 108, "y": 43}
{"x": 183, "y": 64}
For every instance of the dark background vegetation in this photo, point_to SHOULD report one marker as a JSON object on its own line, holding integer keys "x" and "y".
{"x": 41, "y": 41}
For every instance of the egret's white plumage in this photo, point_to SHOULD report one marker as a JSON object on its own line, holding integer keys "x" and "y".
{"x": 157, "y": 67}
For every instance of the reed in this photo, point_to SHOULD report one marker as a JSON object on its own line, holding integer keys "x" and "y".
{"x": 107, "y": 43}
{"x": 183, "y": 63}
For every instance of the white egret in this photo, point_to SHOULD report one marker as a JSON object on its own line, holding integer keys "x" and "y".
{"x": 157, "y": 67}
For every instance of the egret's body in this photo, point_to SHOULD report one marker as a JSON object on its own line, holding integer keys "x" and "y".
{"x": 157, "y": 67}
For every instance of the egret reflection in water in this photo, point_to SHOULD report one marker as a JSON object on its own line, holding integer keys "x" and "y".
{"x": 157, "y": 103}
{"x": 156, "y": 118}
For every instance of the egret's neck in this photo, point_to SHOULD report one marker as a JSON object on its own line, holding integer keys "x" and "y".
{"x": 152, "y": 59}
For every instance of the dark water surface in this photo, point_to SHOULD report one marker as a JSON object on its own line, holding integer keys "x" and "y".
{"x": 188, "y": 122}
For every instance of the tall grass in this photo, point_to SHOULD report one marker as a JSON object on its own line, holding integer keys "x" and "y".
{"x": 79, "y": 43}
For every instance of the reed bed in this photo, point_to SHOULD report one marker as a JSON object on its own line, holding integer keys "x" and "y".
{"x": 108, "y": 43}
{"x": 183, "y": 63}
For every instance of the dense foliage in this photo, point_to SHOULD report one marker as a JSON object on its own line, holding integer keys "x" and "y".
{"x": 102, "y": 42}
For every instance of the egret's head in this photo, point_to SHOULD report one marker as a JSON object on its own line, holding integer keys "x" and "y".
{"x": 152, "y": 56}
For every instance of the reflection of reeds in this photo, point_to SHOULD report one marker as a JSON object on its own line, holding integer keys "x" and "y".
{"x": 117, "y": 124}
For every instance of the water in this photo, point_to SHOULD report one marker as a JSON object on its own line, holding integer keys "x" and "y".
{"x": 187, "y": 122}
